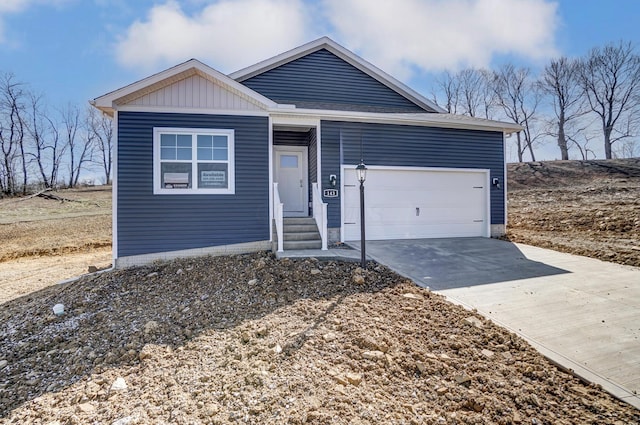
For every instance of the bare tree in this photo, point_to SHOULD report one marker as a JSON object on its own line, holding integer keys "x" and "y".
{"x": 12, "y": 135}
{"x": 46, "y": 150}
{"x": 101, "y": 128}
{"x": 78, "y": 143}
{"x": 610, "y": 77}
{"x": 448, "y": 85}
{"x": 475, "y": 92}
{"x": 560, "y": 82}
{"x": 468, "y": 92}
{"x": 518, "y": 97}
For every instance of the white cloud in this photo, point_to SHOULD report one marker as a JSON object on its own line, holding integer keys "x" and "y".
{"x": 400, "y": 36}
{"x": 228, "y": 34}
{"x": 431, "y": 35}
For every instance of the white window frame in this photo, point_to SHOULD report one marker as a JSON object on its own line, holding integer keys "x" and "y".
{"x": 194, "y": 132}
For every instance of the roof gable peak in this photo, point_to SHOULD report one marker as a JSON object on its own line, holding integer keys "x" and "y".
{"x": 344, "y": 54}
{"x": 108, "y": 102}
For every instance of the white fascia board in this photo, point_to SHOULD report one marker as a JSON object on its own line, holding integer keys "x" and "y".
{"x": 344, "y": 54}
{"x": 108, "y": 102}
{"x": 427, "y": 119}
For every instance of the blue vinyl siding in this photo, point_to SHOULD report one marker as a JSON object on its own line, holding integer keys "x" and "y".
{"x": 399, "y": 145}
{"x": 321, "y": 80}
{"x": 149, "y": 223}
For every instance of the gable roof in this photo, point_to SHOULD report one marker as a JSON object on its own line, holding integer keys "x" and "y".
{"x": 109, "y": 101}
{"x": 344, "y": 54}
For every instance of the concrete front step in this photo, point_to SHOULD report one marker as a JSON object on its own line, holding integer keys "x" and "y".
{"x": 302, "y": 245}
{"x": 299, "y": 220}
{"x": 300, "y": 228}
{"x": 300, "y": 236}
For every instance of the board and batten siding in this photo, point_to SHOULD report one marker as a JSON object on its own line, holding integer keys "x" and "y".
{"x": 321, "y": 80}
{"x": 195, "y": 92}
{"x": 411, "y": 146}
{"x": 149, "y": 223}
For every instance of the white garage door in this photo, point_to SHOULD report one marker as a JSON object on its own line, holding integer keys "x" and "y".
{"x": 411, "y": 204}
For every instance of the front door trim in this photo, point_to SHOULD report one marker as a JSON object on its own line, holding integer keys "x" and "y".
{"x": 304, "y": 150}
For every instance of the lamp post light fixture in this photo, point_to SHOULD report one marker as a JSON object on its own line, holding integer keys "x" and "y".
{"x": 361, "y": 173}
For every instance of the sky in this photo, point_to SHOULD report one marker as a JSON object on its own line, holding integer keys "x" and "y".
{"x": 75, "y": 50}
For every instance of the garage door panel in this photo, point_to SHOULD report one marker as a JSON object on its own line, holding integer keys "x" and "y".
{"x": 416, "y": 204}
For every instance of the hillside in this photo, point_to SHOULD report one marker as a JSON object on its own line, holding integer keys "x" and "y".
{"x": 589, "y": 208}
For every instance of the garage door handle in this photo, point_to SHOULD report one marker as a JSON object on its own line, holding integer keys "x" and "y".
{"x": 417, "y": 211}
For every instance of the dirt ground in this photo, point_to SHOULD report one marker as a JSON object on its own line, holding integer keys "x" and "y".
{"x": 254, "y": 340}
{"x": 589, "y": 208}
{"x": 46, "y": 241}
{"x": 250, "y": 339}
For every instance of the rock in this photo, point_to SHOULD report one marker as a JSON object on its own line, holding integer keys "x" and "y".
{"x": 507, "y": 355}
{"x": 328, "y": 337}
{"x": 442, "y": 390}
{"x": 3, "y": 364}
{"x": 123, "y": 421}
{"x": 462, "y": 379}
{"x": 150, "y": 327}
{"x": 412, "y": 296}
{"x": 119, "y": 384}
{"x": 144, "y": 354}
{"x": 252, "y": 282}
{"x": 358, "y": 279}
{"x": 262, "y": 331}
{"x": 475, "y": 405}
{"x": 340, "y": 379}
{"x": 153, "y": 274}
{"x": 277, "y": 349}
{"x": 179, "y": 272}
{"x": 422, "y": 368}
{"x": 92, "y": 269}
{"x": 315, "y": 272}
{"x": 373, "y": 355}
{"x": 354, "y": 378}
{"x": 487, "y": 353}
{"x": 245, "y": 337}
{"x": 87, "y": 408}
{"x": 473, "y": 321}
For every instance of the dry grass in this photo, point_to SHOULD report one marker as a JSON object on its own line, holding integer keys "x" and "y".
{"x": 41, "y": 227}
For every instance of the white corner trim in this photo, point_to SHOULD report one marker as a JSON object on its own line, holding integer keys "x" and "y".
{"x": 319, "y": 155}
{"x": 114, "y": 192}
{"x": 271, "y": 194}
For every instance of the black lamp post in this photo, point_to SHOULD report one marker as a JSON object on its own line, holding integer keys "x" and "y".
{"x": 361, "y": 173}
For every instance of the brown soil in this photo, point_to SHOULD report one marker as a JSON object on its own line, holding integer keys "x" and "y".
{"x": 250, "y": 339}
{"x": 37, "y": 226}
{"x": 589, "y": 208}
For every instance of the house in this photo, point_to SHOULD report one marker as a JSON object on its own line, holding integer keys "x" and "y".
{"x": 208, "y": 163}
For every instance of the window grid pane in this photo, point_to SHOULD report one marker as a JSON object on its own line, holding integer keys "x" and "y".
{"x": 211, "y": 149}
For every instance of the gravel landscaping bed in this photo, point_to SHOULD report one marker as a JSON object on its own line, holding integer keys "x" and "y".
{"x": 254, "y": 340}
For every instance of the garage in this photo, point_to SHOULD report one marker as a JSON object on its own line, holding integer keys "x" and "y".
{"x": 415, "y": 203}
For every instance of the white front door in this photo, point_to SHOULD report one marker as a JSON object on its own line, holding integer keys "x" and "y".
{"x": 292, "y": 178}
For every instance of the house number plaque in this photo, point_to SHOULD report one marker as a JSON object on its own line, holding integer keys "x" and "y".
{"x": 330, "y": 193}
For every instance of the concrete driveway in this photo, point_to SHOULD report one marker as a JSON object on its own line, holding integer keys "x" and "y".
{"x": 581, "y": 313}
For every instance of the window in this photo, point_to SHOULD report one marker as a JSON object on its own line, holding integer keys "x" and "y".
{"x": 193, "y": 161}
